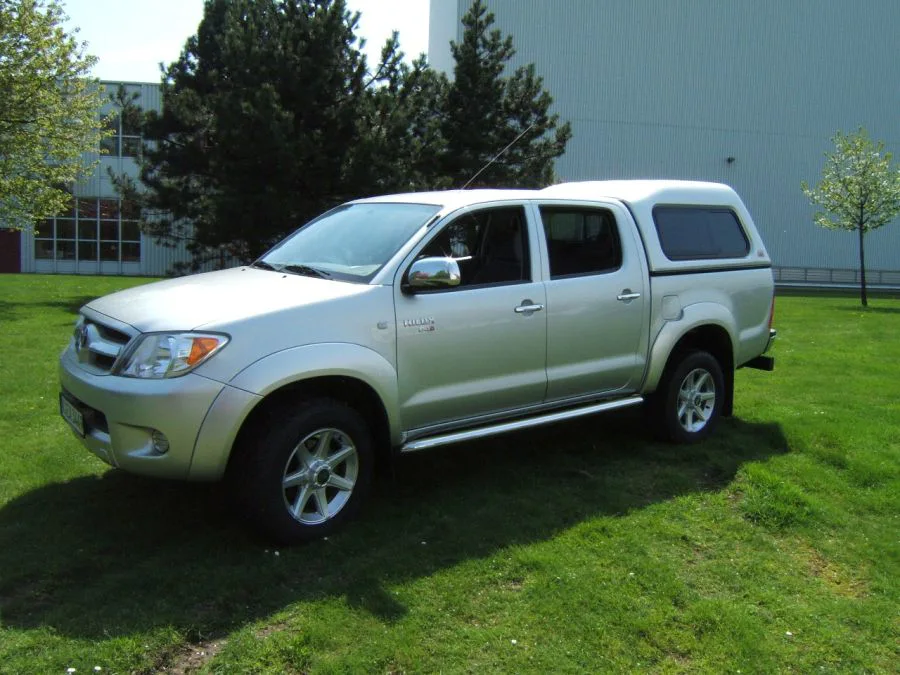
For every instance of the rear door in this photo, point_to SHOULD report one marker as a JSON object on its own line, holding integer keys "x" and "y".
{"x": 597, "y": 298}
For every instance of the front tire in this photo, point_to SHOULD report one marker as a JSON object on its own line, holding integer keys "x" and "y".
{"x": 305, "y": 472}
{"x": 688, "y": 403}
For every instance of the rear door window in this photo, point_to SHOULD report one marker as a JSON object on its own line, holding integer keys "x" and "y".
{"x": 700, "y": 232}
{"x": 580, "y": 241}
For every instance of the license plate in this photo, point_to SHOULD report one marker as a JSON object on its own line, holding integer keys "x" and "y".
{"x": 72, "y": 415}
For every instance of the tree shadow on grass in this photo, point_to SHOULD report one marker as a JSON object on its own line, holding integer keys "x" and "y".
{"x": 70, "y": 305}
{"x": 106, "y": 556}
{"x": 11, "y": 310}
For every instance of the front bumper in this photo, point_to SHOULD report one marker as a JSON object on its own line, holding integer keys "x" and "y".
{"x": 121, "y": 414}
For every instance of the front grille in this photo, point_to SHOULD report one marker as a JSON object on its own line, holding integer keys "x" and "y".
{"x": 111, "y": 334}
{"x": 103, "y": 361}
{"x": 98, "y": 345}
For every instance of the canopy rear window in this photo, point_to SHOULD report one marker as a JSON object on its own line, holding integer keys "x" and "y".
{"x": 700, "y": 232}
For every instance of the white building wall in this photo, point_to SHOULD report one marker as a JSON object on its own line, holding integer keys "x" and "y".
{"x": 673, "y": 89}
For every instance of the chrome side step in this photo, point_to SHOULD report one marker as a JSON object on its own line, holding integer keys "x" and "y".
{"x": 525, "y": 423}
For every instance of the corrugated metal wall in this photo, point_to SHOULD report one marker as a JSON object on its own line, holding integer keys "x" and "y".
{"x": 672, "y": 89}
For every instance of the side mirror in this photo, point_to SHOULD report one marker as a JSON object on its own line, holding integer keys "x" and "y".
{"x": 428, "y": 273}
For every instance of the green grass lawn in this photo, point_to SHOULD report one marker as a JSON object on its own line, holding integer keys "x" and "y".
{"x": 576, "y": 548}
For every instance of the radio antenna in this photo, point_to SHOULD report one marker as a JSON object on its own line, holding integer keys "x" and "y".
{"x": 497, "y": 156}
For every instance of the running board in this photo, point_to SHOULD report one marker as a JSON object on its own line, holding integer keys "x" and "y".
{"x": 525, "y": 423}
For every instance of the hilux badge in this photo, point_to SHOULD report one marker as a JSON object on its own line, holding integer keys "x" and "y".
{"x": 424, "y": 324}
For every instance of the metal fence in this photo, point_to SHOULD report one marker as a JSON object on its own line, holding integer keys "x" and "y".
{"x": 830, "y": 278}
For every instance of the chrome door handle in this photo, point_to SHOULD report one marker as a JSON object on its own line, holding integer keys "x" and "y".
{"x": 528, "y": 308}
{"x": 627, "y": 296}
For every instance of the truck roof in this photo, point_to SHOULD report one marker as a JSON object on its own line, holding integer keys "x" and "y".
{"x": 633, "y": 191}
{"x": 455, "y": 198}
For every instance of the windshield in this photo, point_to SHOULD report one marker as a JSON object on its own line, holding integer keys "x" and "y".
{"x": 351, "y": 242}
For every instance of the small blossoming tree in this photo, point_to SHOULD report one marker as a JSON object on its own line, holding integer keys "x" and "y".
{"x": 859, "y": 190}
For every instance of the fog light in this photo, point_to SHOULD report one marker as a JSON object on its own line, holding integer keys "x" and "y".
{"x": 160, "y": 442}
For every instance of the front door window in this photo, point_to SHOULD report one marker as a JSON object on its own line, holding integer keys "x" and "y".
{"x": 490, "y": 247}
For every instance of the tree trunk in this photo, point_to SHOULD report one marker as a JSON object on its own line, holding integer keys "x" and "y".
{"x": 862, "y": 268}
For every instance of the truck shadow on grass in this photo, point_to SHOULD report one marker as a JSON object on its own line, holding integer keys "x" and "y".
{"x": 100, "y": 557}
{"x": 7, "y": 310}
{"x": 70, "y": 305}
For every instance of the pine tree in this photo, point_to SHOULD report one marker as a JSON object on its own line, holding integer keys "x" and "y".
{"x": 400, "y": 139}
{"x": 258, "y": 115}
{"x": 486, "y": 111}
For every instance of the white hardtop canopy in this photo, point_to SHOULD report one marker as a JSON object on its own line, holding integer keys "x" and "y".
{"x": 646, "y": 191}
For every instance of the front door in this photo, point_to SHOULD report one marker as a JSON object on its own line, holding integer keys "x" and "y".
{"x": 474, "y": 349}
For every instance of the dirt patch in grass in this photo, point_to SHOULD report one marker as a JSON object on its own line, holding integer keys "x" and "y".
{"x": 194, "y": 656}
{"x": 835, "y": 576}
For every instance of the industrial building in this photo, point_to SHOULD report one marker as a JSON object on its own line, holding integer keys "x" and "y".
{"x": 743, "y": 92}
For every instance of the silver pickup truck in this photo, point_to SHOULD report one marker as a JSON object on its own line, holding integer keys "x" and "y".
{"x": 405, "y": 322}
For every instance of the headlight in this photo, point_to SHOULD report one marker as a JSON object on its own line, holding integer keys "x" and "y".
{"x": 159, "y": 355}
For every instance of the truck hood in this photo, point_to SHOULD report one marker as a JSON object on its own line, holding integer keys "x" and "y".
{"x": 188, "y": 303}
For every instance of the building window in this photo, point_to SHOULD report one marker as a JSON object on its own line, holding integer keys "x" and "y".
{"x": 90, "y": 229}
{"x": 125, "y": 140}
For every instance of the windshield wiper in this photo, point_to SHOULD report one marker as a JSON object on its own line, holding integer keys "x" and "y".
{"x": 263, "y": 265}
{"x": 306, "y": 270}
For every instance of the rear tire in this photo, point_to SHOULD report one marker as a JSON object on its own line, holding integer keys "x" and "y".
{"x": 687, "y": 405}
{"x": 304, "y": 472}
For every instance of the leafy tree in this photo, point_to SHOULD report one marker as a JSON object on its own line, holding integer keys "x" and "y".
{"x": 49, "y": 111}
{"x": 859, "y": 190}
{"x": 486, "y": 111}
